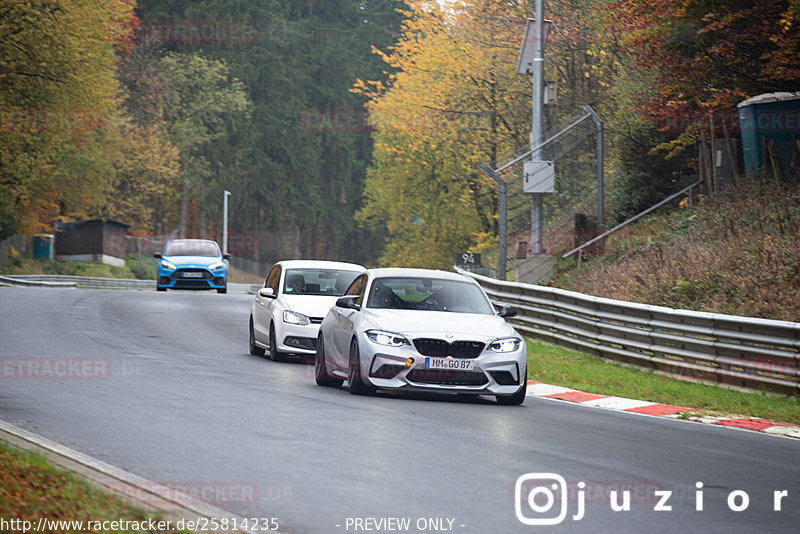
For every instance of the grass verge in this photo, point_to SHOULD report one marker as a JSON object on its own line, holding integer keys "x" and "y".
{"x": 31, "y": 487}
{"x": 563, "y": 367}
{"x": 132, "y": 269}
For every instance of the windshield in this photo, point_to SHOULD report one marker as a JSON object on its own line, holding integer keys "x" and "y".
{"x": 329, "y": 282}
{"x": 428, "y": 294}
{"x": 191, "y": 247}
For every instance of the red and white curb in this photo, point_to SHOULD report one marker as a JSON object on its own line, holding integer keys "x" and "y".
{"x": 549, "y": 391}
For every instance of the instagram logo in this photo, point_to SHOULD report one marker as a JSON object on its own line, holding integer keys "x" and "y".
{"x": 540, "y": 492}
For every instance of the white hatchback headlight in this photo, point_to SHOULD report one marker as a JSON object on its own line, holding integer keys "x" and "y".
{"x": 390, "y": 339}
{"x": 168, "y": 265}
{"x": 215, "y": 266}
{"x": 509, "y": 344}
{"x": 295, "y": 318}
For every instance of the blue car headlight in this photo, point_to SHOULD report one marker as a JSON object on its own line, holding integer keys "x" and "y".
{"x": 509, "y": 344}
{"x": 215, "y": 266}
{"x": 168, "y": 265}
{"x": 295, "y": 318}
{"x": 390, "y": 339}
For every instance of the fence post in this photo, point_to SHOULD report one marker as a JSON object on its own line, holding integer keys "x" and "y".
{"x": 502, "y": 245}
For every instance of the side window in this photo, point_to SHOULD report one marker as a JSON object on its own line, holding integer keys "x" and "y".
{"x": 273, "y": 279}
{"x": 357, "y": 288}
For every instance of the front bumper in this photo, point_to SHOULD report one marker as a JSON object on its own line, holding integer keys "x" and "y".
{"x": 192, "y": 278}
{"x": 297, "y": 339}
{"x": 492, "y": 373}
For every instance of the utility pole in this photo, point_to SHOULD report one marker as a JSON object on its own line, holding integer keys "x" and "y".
{"x": 225, "y": 222}
{"x": 536, "y": 126}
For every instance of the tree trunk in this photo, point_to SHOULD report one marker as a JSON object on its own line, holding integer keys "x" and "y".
{"x": 733, "y": 155}
{"x": 712, "y": 151}
{"x": 705, "y": 171}
{"x": 775, "y": 163}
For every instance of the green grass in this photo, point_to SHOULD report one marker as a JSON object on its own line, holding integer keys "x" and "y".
{"x": 742, "y": 244}
{"x": 144, "y": 268}
{"x": 563, "y": 367}
{"x": 31, "y": 487}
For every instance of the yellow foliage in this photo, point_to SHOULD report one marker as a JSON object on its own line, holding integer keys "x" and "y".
{"x": 452, "y": 104}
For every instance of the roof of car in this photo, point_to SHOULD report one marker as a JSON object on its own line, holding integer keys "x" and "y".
{"x": 187, "y": 239}
{"x": 387, "y": 272}
{"x": 320, "y": 264}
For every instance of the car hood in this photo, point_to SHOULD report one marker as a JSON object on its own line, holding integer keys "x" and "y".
{"x": 413, "y": 323}
{"x": 309, "y": 305}
{"x": 192, "y": 261}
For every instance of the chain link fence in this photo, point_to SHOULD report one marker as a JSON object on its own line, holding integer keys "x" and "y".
{"x": 571, "y": 214}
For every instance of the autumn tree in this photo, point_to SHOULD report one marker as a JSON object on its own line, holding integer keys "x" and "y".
{"x": 454, "y": 102}
{"x": 58, "y": 85}
{"x": 708, "y": 55}
{"x": 200, "y": 96}
{"x": 296, "y": 176}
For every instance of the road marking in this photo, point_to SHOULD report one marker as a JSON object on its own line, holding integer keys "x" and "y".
{"x": 618, "y": 403}
{"x": 539, "y": 389}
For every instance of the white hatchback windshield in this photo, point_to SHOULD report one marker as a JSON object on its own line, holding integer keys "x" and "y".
{"x": 330, "y": 282}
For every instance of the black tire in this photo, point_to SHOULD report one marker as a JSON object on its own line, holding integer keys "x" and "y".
{"x": 320, "y": 370}
{"x": 255, "y": 350}
{"x": 517, "y": 398}
{"x": 274, "y": 354}
{"x": 159, "y": 288}
{"x": 222, "y": 289}
{"x": 357, "y": 385}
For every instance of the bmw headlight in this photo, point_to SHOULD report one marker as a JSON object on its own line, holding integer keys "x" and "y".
{"x": 295, "y": 318}
{"x": 509, "y": 344}
{"x": 389, "y": 339}
{"x": 215, "y": 266}
{"x": 168, "y": 265}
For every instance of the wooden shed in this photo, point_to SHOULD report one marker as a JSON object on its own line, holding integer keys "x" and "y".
{"x": 94, "y": 241}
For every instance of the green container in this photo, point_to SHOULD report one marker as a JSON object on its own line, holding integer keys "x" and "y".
{"x": 43, "y": 246}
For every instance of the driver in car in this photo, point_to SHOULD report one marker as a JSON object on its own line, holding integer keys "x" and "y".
{"x": 296, "y": 283}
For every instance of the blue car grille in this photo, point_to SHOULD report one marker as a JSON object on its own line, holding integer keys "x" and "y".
{"x": 193, "y": 274}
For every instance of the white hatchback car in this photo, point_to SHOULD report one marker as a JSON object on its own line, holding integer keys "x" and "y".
{"x": 288, "y": 310}
{"x": 417, "y": 329}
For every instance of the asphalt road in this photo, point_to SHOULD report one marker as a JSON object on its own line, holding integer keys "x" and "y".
{"x": 162, "y": 385}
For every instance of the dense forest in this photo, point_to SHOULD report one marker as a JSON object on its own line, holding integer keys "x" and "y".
{"x": 352, "y": 129}
{"x": 146, "y": 113}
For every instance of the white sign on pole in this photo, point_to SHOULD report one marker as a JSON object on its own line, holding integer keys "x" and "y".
{"x": 539, "y": 176}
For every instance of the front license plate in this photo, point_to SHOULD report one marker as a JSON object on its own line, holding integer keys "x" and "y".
{"x": 193, "y": 275}
{"x": 449, "y": 363}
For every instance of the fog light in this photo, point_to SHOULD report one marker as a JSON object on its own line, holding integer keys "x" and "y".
{"x": 409, "y": 362}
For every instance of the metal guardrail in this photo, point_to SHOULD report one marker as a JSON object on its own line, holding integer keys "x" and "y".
{"x": 88, "y": 282}
{"x": 33, "y": 283}
{"x": 729, "y": 349}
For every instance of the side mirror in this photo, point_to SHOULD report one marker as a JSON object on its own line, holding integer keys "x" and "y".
{"x": 266, "y": 292}
{"x": 506, "y": 311}
{"x": 348, "y": 302}
{"x": 157, "y": 255}
{"x": 226, "y": 256}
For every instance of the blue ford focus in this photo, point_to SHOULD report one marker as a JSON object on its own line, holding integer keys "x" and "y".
{"x": 192, "y": 264}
